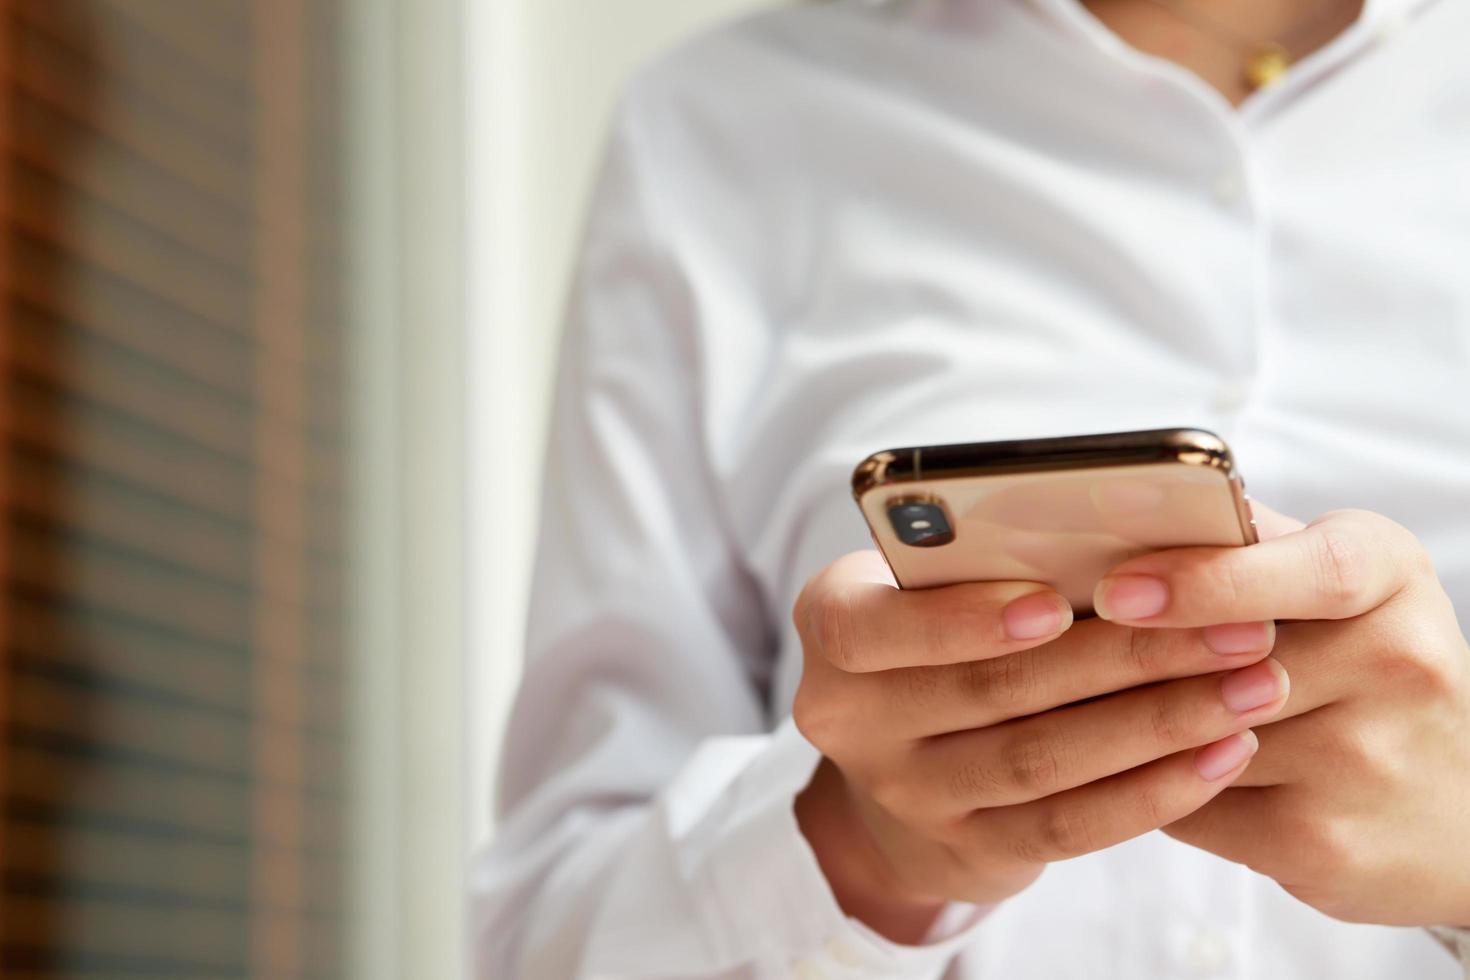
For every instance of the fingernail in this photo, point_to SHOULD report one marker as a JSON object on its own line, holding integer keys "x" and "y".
{"x": 1036, "y": 615}
{"x": 1219, "y": 759}
{"x": 1231, "y": 638}
{"x": 1253, "y": 687}
{"x": 1130, "y": 597}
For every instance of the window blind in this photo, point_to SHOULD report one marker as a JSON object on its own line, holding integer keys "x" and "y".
{"x": 170, "y": 477}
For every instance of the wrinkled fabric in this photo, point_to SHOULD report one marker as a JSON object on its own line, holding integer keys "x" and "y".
{"x": 849, "y": 226}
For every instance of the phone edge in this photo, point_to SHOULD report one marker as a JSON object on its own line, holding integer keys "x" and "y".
{"x": 1190, "y": 446}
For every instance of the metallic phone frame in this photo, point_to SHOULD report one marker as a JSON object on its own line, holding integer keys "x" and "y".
{"x": 892, "y": 469}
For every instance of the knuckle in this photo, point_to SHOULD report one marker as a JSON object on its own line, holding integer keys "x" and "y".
{"x": 1409, "y": 652}
{"x": 920, "y": 688}
{"x": 1015, "y": 682}
{"x": 1166, "y": 719}
{"x": 1029, "y": 848}
{"x": 1034, "y": 762}
{"x": 1341, "y": 569}
{"x": 1436, "y": 671}
{"x": 1227, "y": 580}
{"x": 1066, "y": 830}
{"x": 975, "y": 680}
{"x": 1318, "y": 847}
{"x": 1150, "y": 654}
{"x": 815, "y": 718}
{"x": 1220, "y": 579}
{"x": 831, "y": 619}
{"x": 1368, "y": 753}
{"x": 975, "y": 782}
{"x": 1139, "y": 651}
{"x": 1154, "y": 807}
{"x": 1422, "y": 668}
{"x": 1328, "y": 847}
{"x": 1413, "y": 558}
{"x": 1417, "y": 563}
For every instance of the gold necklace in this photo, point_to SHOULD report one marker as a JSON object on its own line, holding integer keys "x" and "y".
{"x": 1266, "y": 61}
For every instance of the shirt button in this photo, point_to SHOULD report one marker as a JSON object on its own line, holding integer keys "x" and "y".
{"x": 1228, "y": 188}
{"x": 1207, "y": 954}
{"x": 844, "y": 953}
{"x": 807, "y": 970}
{"x": 1231, "y": 396}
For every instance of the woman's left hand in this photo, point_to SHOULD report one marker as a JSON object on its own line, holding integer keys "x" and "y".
{"x": 1358, "y": 802}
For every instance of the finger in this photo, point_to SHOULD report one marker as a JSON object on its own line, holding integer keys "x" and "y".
{"x": 1285, "y": 747}
{"x": 1325, "y": 661}
{"x": 1237, "y": 825}
{"x": 1038, "y": 756}
{"x": 1317, "y": 745}
{"x": 1343, "y": 564}
{"x": 1325, "y": 671}
{"x": 1092, "y": 658}
{"x": 1119, "y": 808}
{"x": 853, "y": 616}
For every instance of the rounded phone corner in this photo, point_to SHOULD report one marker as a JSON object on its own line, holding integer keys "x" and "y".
{"x": 1200, "y": 447}
{"x": 875, "y": 471}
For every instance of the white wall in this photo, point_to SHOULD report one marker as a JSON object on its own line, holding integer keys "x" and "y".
{"x": 541, "y": 78}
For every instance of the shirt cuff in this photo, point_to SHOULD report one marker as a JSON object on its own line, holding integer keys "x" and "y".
{"x": 747, "y": 851}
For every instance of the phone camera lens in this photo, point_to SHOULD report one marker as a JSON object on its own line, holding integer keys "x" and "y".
{"x": 920, "y": 523}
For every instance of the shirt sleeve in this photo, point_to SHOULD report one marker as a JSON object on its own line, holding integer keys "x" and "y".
{"x": 1457, "y": 941}
{"x": 647, "y": 827}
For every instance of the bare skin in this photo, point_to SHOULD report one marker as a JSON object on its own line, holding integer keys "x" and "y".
{"x": 959, "y": 726}
{"x": 957, "y": 763}
{"x": 961, "y": 758}
{"x": 1309, "y": 24}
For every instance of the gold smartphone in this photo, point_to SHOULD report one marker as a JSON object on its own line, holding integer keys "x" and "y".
{"x": 1061, "y": 511}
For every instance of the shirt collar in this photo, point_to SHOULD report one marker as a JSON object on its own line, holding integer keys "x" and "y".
{"x": 1379, "y": 19}
{"x": 1076, "y": 16}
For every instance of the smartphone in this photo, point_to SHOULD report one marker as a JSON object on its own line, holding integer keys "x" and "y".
{"x": 1060, "y": 511}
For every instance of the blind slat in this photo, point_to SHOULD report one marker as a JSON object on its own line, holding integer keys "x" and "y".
{"x": 91, "y": 577}
{"x": 208, "y": 741}
{"x": 97, "y": 302}
{"x": 140, "y": 798}
{"x": 195, "y": 937}
{"x": 141, "y": 132}
{"x": 77, "y": 791}
{"x": 203, "y": 870}
{"x": 83, "y": 506}
{"x": 171, "y": 473}
{"x": 127, "y": 385}
{"x": 49, "y": 143}
{"x": 209, "y": 40}
{"x": 136, "y": 62}
{"x": 94, "y": 235}
{"x": 116, "y": 650}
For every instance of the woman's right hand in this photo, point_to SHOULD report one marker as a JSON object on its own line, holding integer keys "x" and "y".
{"x": 973, "y": 733}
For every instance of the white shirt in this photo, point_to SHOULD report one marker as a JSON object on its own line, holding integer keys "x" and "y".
{"x": 844, "y": 227}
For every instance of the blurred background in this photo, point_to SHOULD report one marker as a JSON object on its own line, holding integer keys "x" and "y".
{"x": 282, "y": 282}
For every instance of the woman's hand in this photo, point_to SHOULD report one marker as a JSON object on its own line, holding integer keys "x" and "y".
{"x": 1358, "y": 801}
{"x": 972, "y": 734}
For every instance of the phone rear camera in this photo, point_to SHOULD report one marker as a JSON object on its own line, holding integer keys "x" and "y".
{"x": 920, "y": 523}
